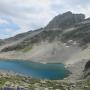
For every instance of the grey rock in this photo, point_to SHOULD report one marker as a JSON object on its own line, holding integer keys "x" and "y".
{"x": 65, "y": 20}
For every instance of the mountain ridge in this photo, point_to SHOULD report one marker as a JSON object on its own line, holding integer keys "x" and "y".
{"x": 74, "y": 34}
{"x": 65, "y": 20}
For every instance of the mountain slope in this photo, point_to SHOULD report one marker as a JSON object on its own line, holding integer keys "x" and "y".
{"x": 66, "y": 39}
{"x": 1, "y": 42}
{"x": 66, "y": 36}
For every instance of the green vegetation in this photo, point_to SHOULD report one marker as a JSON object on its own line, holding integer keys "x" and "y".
{"x": 84, "y": 84}
{"x": 26, "y": 49}
{"x": 7, "y": 80}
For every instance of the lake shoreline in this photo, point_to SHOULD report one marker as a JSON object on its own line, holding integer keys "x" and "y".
{"x": 14, "y": 81}
{"x": 30, "y": 61}
{"x": 72, "y": 68}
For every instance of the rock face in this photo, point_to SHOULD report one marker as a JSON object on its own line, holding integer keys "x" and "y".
{"x": 87, "y": 66}
{"x": 87, "y": 70}
{"x": 65, "y": 20}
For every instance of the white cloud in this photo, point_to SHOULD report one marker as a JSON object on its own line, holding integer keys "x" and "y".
{"x": 3, "y": 21}
{"x": 27, "y": 13}
{"x": 12, "y": 32}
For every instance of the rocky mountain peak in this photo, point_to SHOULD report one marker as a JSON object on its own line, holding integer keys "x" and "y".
{"x": 67, "y": 13}
{"x": 65, "y": 20}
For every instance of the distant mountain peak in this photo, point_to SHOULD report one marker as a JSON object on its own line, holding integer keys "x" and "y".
{"x": 65, "y": 20}
{"x": 68, "y": 12}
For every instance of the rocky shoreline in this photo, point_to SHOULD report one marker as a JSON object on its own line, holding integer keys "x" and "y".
{"x": 14, "y": 80}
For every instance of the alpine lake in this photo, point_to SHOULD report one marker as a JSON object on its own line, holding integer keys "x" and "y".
{"x": 50, "y": 71}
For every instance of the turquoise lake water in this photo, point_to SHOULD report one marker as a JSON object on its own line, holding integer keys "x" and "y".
{"x": 51, "y": 71}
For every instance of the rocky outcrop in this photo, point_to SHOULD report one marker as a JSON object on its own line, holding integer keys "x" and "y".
{"x": 87, "y": 66}
{"x": 65, "y": 20}
{"x": 87, "y": 70}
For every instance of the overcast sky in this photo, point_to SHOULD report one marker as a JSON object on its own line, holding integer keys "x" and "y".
{"x": 18, "y": 16}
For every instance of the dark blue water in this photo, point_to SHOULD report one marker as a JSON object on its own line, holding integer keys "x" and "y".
{"x": 36, "y": 70}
